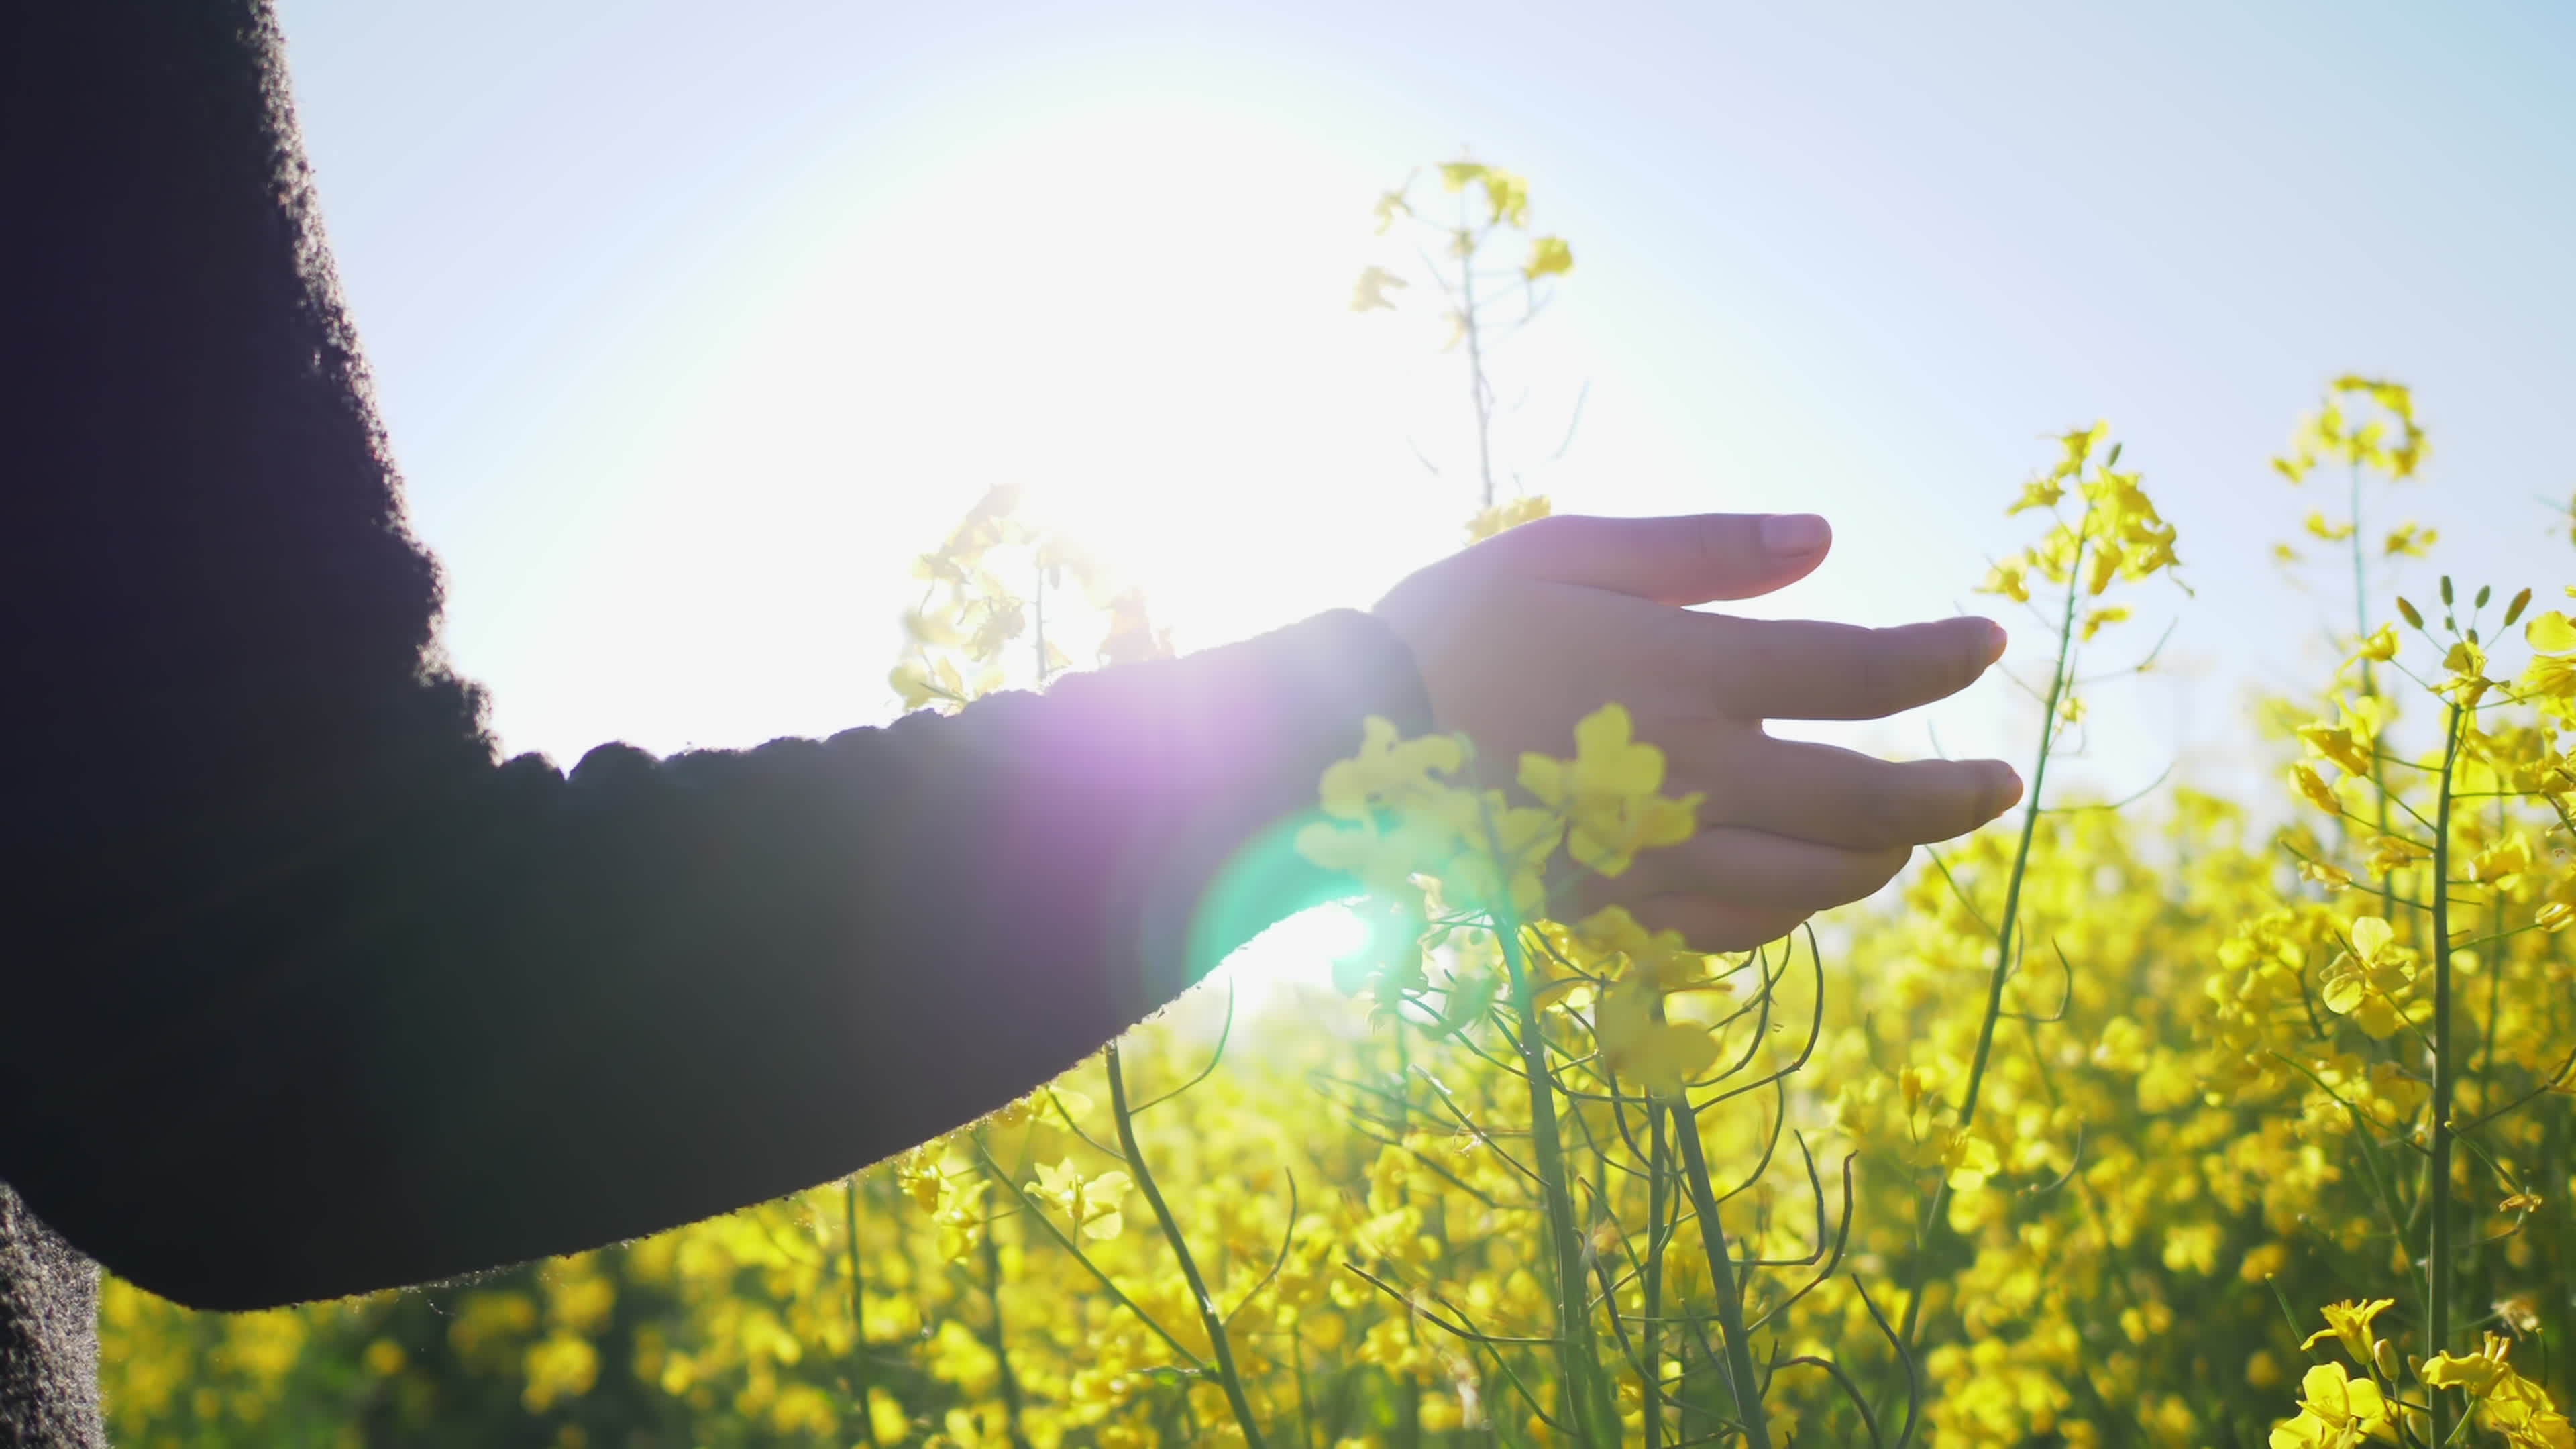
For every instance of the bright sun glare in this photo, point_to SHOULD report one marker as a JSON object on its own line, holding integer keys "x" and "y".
{"x": 1117, "y": 316}
{"x": 1144, "y": 322}
{"x": 1141, "y": 319}
{"x": 1298, "y": 951}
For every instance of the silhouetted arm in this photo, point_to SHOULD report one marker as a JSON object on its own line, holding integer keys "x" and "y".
{"x": 305, "y": 994}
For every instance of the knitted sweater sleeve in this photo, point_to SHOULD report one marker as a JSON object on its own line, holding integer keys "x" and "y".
{"x": 306, "y": 993}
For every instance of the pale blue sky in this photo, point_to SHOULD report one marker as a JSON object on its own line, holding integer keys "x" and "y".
{"x": 693, "y": 322}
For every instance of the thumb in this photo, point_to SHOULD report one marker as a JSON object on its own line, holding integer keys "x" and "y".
{"x": 1690, "y": 559}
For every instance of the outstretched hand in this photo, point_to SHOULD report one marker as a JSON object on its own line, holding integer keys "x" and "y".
{"x": 1522, "y": 635}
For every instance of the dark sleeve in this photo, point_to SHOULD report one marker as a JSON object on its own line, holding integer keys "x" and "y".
{"x": 303, "y": 994}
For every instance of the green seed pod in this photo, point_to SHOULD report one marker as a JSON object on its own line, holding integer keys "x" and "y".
{"x": 2446, "y": 591}
{"x": 2407, "y": 610}
{"x": 2485, "y": 592}
{"x": 2513, "y": 611}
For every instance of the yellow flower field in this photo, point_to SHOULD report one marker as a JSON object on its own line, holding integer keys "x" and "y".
{"x": 2122, "y": 1123}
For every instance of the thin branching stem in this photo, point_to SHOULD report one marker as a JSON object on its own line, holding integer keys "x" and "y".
{"x": 1658, "y": 1176}
{"x": 2440, "y": 1290}
{"x": 1592, "y": 1414}
{"x": 1722, "y": 1280}
{"x": 858, "y": 1299}
{"x": 1007, "y": 1381}
{"x": 2002, "y": 973}
{"x": 1219, "y": 1343}
{"x": 1480, "y": 390}
{"x": 1108, "y": 1285}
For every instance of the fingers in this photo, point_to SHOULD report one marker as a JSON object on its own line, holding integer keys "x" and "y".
{"x": 1714, "y": 925}
{"x": 1757, "y": 868}
{"x": 1835, "y": 796}
{"x": 1690, "y": 559}
{"x": 1754, "y": 669}
{"x": 1729, "y": 889}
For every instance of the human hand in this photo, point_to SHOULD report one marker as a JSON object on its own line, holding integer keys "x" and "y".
{"x": 1524, "y": 634}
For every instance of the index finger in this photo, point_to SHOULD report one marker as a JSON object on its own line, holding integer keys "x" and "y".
{"x": 1688, "y": 559}
{"x": 1754, "y": 669}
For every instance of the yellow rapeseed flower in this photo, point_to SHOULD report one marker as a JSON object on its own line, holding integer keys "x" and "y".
{"x": 2349, "y": 1323}
{"x": 1509, "y": 514}
{"x": 2335, "y": 1412}
{"x": 1640, "y": 1045}
{"x": 1608, "y": 794}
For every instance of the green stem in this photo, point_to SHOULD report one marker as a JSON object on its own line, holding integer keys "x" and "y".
{"x": 2061, "y": 676}
{"x": 994, "y": 1170}
{"x": 2492, "y": 961}
{"x": 1480, "y": 392}
{"x": 1209, "y": 1318}
{"x": 1575, "y": 1358}
{"x": 858, "y": 1300}
{"x": 1305, "y": 1397}
{"x": 1010, "y": 1383}
{"x": 2445, "y": 1081}
{"x": 2369, "y": 688}
{"x": 2360, "y": 593}
{"x": 1721, "y": 1278}
{"x": 1658, "y": 1168}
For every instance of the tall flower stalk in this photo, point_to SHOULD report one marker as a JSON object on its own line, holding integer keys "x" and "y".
{"x": 1220, "y": 1343}
{"x": 1492, "y": 211}
{"x": 1579, "y": 1360}
{"x": 2116, "y": 535}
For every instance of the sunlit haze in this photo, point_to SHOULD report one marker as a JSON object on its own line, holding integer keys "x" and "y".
{"x": 693, "y": 325}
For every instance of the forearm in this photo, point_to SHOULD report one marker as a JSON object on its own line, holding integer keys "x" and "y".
{"x": 550, "y": 1013}
{"x": 307, "y": 995}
